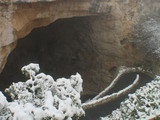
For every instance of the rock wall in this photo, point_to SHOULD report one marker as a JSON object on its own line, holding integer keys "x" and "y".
{"x": 118, "y": 34}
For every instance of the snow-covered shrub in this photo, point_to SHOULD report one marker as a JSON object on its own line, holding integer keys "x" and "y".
{"x": 3, "y": 101}
{"x": 42, "y": 98}
{"x": 144, "y": 104}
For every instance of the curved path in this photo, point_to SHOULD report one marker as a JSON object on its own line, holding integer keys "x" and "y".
{"x": 105, "y": 109}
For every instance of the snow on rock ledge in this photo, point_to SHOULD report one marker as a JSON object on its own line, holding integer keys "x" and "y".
{"x": 40, "y": 97}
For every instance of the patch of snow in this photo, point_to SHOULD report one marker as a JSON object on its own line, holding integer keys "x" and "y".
{"x": 40, "y": 97}
{"x": 30, "y": 70}
{"x": 141, "y": 105}
{"x": 3, "y": 101}
{"x": 151, "y": 36}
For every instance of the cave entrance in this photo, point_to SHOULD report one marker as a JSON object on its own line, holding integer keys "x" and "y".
{"x": 62, "y": 48}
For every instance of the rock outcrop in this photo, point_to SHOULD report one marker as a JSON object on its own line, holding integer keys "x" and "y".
{"x": 120, "y": 32}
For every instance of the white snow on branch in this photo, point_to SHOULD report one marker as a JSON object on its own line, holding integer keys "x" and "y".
{"x": 144, "y": 104}
{"x": 42, "y": 98}
{"x": 3, "y": 101}
{"x": 108, "y": 98}
{"x": 30, "y": 70}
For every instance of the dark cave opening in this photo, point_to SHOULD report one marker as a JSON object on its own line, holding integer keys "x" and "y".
{"x": 87, "y": 45}
{"x": 61, "y": 49}
{"x": 65, "y": 47}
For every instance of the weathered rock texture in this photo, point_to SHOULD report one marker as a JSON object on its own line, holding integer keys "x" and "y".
{"x": 110, "y": 34}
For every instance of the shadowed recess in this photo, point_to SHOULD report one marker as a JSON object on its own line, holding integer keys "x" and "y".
{"x": 62, "y": 48}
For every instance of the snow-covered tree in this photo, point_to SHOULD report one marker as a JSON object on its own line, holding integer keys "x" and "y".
{"x": 42, "y": 98}
{"x": 144, "y": 104}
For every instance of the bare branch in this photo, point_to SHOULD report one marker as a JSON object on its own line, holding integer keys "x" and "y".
{"x": 113, "y": 96}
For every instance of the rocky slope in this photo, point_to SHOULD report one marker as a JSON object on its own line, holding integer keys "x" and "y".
{"x": 121, "y": 32}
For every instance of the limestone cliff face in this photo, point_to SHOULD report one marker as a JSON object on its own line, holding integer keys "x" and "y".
{"x": 118, "y": 30}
